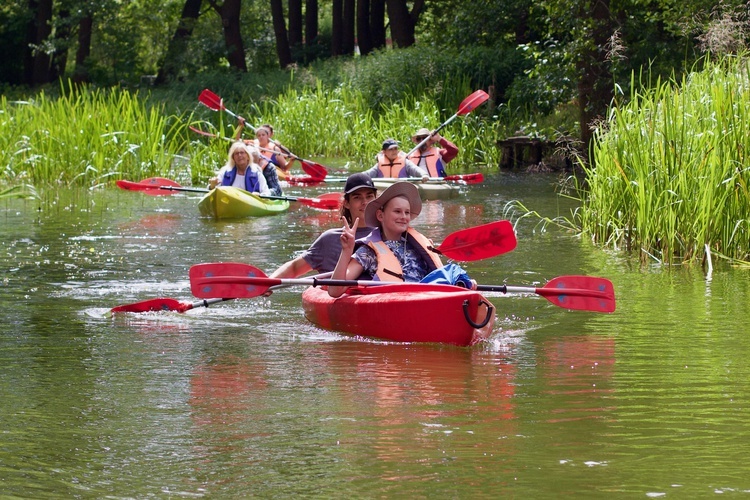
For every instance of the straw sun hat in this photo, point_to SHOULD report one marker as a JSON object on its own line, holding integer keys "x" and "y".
{"x": 406, "y": 189}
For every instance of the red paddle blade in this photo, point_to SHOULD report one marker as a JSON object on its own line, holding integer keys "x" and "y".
{"x": 587, "y": 293}
{"x": 202, "y": 287}
{"x": 211, "y": 100}
{"x": 303, "y": 180}
{"x": 473, "y": 101}
{"x": 475, "y": 178}
{"x": 480, "y": 242}
{"x": 149, "y": 186}
{"x": 328, "y": 201}
{"x": 154, "y": 305}
{"x": 314, "y": 170}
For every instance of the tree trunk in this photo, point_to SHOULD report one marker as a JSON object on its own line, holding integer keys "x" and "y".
{"x": 349, "y": 22}
{"x": 311, "y": 22}
{"x": 295, "y": 24}
{"x": 81, "y": 72}
{"x": 229, "y": 12}
{"x": 403, "y": 22}
{"x": 60, "y": 57}
{"x": 41, "y": 71}
{"x": 172, "y": 64}
{"x": 364, "y": 38}
{"x": 337, "y": 27}
{"x": 594, "y": 73}
{"x": 283, "y": 51}
{"x": 377, "y": 23}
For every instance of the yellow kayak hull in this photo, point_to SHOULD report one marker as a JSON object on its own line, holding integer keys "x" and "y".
{"x": 227, "y": 202}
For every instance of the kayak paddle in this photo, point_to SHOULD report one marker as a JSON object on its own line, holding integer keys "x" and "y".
{"x": 585, "y": 293}
{"x": 163, "y": 304}
{"x": 158, "y": 186}
{"x": 166, "y": 304}
{"x": 467, "y": 106}
{"x": 213, "y": 102}
{"x": 479, "y": 242}
{"x": 473, "y": 178}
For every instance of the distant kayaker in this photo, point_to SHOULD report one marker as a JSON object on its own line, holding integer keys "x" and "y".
{"x": 324, "y": 252}
{"x": 429, "y": 157}
{"x": 239, "y": 171}
{"x": 394, "y": 163}
{"x": 393, "y": 251}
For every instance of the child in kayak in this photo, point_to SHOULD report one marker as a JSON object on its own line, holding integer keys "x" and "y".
{"x": 393, "y": 251}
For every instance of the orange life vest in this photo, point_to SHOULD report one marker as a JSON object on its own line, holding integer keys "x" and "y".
{"x": 389, "y": 268}
{"x": 394, "y": 168}
{"x": 430, "y": 160}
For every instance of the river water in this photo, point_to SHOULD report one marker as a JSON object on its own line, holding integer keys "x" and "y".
{"x": 246, "y": 398}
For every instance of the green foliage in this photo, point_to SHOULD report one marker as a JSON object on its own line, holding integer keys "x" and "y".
{"x": 671, "y": 176}
{"x": 85, "y": 137}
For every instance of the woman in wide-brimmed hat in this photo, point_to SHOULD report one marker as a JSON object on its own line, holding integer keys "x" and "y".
{"x": 393, "y": 251}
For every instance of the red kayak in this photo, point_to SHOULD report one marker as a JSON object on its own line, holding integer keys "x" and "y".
{"x": 404, "y": 313}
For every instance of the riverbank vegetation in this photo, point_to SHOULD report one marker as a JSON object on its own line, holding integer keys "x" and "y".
{"x": 671, "y": 180}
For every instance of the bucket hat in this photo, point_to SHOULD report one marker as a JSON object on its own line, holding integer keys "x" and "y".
{"x": 403, "y": 188}
{"x": 422, "y": 132}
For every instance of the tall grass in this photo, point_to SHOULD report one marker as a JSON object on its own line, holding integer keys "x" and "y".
{"x": 340, "y": 122}
{"x": 85, "y": 136}
{"x": 671, "y": 176}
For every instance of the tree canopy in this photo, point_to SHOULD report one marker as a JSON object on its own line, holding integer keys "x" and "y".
{"x": 563, "y": 50}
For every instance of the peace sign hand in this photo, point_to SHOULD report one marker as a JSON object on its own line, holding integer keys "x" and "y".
{"x": 348, "y": 235}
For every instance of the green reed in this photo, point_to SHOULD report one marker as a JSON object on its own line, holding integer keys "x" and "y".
{"x": 85, "y": 136}
{"x": 671, "y": 169}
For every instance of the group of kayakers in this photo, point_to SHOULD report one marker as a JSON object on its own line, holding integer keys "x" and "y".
{"x": 376, "y": 240}
{"x": 267, "y": 157}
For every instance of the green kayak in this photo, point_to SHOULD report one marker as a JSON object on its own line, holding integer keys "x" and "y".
{"x": 227, "y": 202}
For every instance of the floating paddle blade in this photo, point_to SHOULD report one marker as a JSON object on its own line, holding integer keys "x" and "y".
{"x": 211, "y": 100}
{"x": 475, "y": 178}
{"x": 304, "y": 180}
{"x": 479, "y": 242}
{"x": 327, "y": 201}
{"x": 154, "y": 305}
{"x": 473, "y": 101}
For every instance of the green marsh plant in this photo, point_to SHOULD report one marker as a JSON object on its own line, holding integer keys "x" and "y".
{"x": 86, "y": 136}
{"x": 672, "y": 168}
